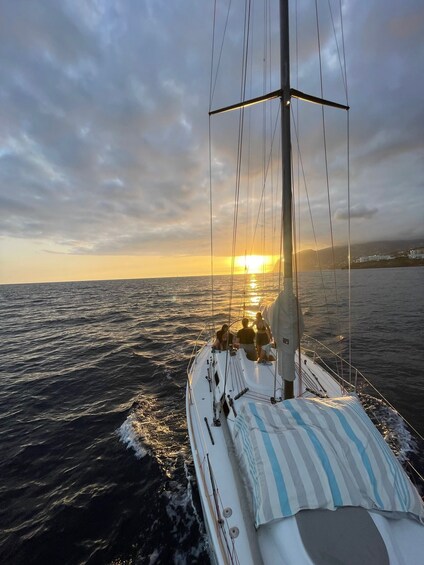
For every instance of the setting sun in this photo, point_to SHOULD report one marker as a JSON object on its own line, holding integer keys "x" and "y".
{"x": 254, "y": 263}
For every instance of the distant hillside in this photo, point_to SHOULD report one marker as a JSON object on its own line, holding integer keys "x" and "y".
{"x": 389, "y": 263}
{"x": 310, "y": 260}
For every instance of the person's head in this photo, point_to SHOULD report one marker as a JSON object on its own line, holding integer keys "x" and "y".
{"x": 245, "y": 322}
{"x": 259, "y": 316}
{"x": 225, "y": 328}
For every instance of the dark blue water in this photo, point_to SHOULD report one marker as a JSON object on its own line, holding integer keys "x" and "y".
{"x": 94, "y": 459}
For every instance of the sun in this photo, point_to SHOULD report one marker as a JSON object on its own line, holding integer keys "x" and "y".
{"x": 252, "y": 264}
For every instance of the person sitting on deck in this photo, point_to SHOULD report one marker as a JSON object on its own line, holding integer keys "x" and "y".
{"x": 224, "y": 339}
{"x": 246, "y": 340}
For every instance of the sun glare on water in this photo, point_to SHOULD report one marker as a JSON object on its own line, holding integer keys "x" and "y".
{"x": 253, "y": 263}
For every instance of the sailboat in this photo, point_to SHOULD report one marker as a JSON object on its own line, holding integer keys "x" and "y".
{"x": 290, "y": 468}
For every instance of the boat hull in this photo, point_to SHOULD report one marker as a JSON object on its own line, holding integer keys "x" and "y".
{"x": 218, "y": 386}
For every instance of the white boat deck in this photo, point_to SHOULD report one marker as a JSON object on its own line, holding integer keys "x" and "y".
{"x": 225, "y": 500}
{"x": 224, "y": 474}
{"x": 259, "y": 379}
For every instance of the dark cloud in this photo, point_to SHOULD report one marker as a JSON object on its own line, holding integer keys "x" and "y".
{"x": 356, "y": 212}
{"x": 103, "y": 121}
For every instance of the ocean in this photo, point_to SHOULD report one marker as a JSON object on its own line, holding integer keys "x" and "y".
{"x": 95, "y": 464}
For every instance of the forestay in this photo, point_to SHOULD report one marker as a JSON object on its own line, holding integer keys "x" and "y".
{"x": 319, "y": 453}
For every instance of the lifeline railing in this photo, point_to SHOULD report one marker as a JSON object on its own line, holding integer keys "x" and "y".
{"x": 216, "y": 509}
{"x": 201, "y": 340}
{"x": 404, "y": 440}
{"x": 353, "y": 380}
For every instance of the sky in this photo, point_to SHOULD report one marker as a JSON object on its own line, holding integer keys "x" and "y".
{"x": 104, "y": 166}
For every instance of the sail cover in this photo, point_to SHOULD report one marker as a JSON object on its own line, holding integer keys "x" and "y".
{"x": 319, "y": 453}
{"x": 286, "y": 321}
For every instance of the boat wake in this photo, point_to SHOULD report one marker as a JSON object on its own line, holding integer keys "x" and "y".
{"x": 185, "y": 518}
{"x": 155, "y": 428}
{"x": 129, "y": 436}
{"x": 391, "y": 426}
{"x": 405, "y": 444}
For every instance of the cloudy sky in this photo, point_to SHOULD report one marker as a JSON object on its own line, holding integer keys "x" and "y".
{"x": 104, "y": 169}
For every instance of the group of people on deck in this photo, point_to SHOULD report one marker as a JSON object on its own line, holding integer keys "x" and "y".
{"x": 257, "y": 345}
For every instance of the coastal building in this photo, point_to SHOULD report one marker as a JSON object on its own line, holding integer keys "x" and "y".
{"x": 416, "y": 253}
{"x": 373, "y": 258}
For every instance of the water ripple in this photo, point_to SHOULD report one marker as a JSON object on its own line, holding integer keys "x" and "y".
{"x": 94, "y": 460}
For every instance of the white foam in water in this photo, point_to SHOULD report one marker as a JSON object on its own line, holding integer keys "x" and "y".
{"x": 179, "y": 500}
{"x": 393, "y": 429}
{"x": 128, "y": 435}
{"x": 400, "y": 438}
{"x": 189, "y": 492}
{"x": 182, "y": 512}
{"x": 153, "y": 557}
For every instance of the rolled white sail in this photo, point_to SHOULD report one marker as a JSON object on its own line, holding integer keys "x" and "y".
{"x": 286, "y": 321}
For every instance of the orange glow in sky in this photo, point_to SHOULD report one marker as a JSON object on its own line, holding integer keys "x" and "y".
{"x": 41, "y": 262}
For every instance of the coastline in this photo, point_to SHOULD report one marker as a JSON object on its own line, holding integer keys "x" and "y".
{"x": 388, "y": 263}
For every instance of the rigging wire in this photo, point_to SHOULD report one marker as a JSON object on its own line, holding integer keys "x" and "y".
{"x": 349, "y": 244}
{"x": 212, "y": 84}
{"x": 298, "y": 122}
{"x": 274, "y": 187}
{"x": 211, "y": 226}
{"x": 311, "y": 216}
{"x": 248, "y": 187}
{"x": 264, "y": 133}
{"x": 344, "y": 53}
{"x": 210, "y": 166}
{"x": 326, "y": 169}
{"x": 240, "y": 144}
{"x": 239, "y": 159}
{"x": 343, "y": 71}
{"x": 266, "y": 176}
{"x": 296, "y": 278}
{"x": 297, "y": 239}
{"x": 349, "y": 257}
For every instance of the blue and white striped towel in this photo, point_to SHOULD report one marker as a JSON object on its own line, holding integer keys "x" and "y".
{"x": 319, "y": 453}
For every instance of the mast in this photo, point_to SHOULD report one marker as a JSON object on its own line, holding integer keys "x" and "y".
{"x": 288, "y": 360}
{"x": 284, "y": 314}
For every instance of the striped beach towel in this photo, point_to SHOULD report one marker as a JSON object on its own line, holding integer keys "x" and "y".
{"x": 319, "y": 453}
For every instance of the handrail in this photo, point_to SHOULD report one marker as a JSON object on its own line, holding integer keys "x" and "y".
{"x": 357, "y": 372}
{"x": 221, "y": 524}
{"x": 206, "y": 328}
{"x": 209, "y": 330}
